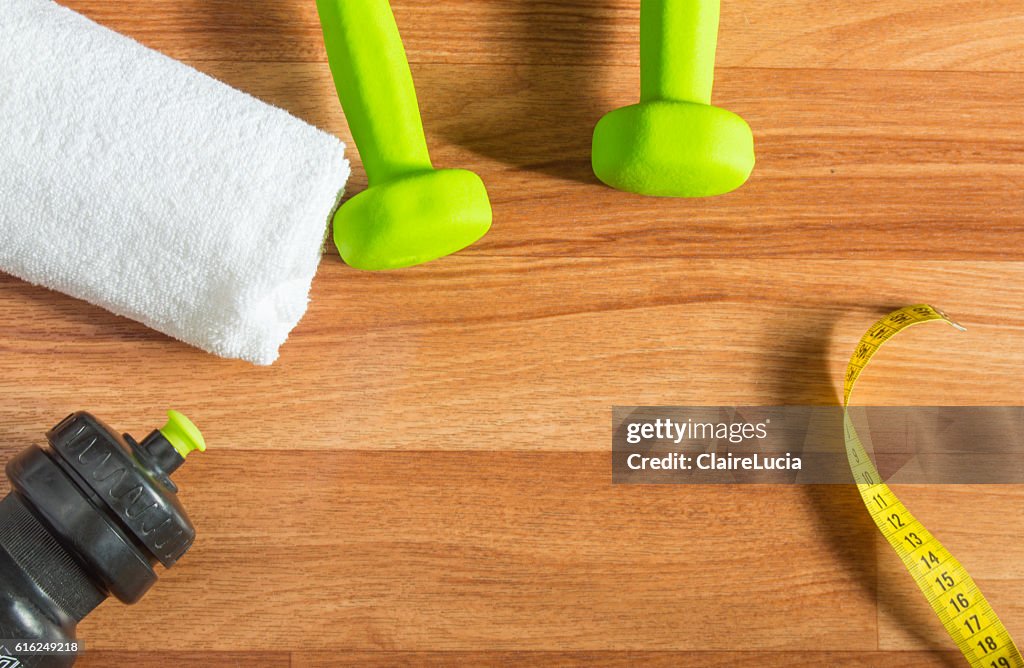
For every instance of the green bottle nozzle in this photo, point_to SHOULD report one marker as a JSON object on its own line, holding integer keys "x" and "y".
{"x": 182, "y": 434}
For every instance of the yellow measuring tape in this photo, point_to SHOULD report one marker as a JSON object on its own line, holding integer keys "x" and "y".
{"x": 952, "y": 593}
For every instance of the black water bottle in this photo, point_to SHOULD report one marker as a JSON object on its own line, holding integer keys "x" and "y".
{"x": 87, "y": 518}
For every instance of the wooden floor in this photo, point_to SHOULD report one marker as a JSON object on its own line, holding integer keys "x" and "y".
{"x": 424, "y": 477}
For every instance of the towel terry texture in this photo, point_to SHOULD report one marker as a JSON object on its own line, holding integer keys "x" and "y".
{"x": 135, "y": 182}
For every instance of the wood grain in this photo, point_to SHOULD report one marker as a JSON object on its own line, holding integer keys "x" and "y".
{"x": 423, "y": 478}
{"x": 456, "y": 551}
{"x": 907, "y": 164}
{"x": 871, "y": 34}
{"x": 624, "y": 659}
{"x": 183, "y": 657}
{"x": 385, "y": 659}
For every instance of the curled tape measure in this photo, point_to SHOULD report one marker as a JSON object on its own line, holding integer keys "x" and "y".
{"x": 952, "y": 593}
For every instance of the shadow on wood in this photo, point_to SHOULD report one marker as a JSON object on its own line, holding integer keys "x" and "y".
{"x": 543, "y": 95}
{"x": 806, "y": 379}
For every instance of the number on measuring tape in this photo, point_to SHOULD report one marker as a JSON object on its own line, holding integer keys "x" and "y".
{"x": 952, "y": 593}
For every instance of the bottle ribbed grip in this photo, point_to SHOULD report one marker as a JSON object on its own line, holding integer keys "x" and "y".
{"x": 43, "y": 559}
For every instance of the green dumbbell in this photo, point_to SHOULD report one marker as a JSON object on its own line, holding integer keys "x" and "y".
{"x": 674, "y": 143}
{"x": 411, "y": 213}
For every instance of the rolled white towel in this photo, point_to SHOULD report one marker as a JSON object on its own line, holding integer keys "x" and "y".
{"x": 137, "y": 183}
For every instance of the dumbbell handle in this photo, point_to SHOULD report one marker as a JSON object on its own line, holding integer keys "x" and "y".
{"x": 375, "y": 87}
{"x": 678, "y": 39}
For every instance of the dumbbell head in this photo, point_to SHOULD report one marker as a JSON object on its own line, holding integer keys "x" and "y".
{"x": 673, "y": 149}
{"x": 413, "y": 219}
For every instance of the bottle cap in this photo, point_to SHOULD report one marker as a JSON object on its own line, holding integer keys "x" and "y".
{"x": 131, "y": 480}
